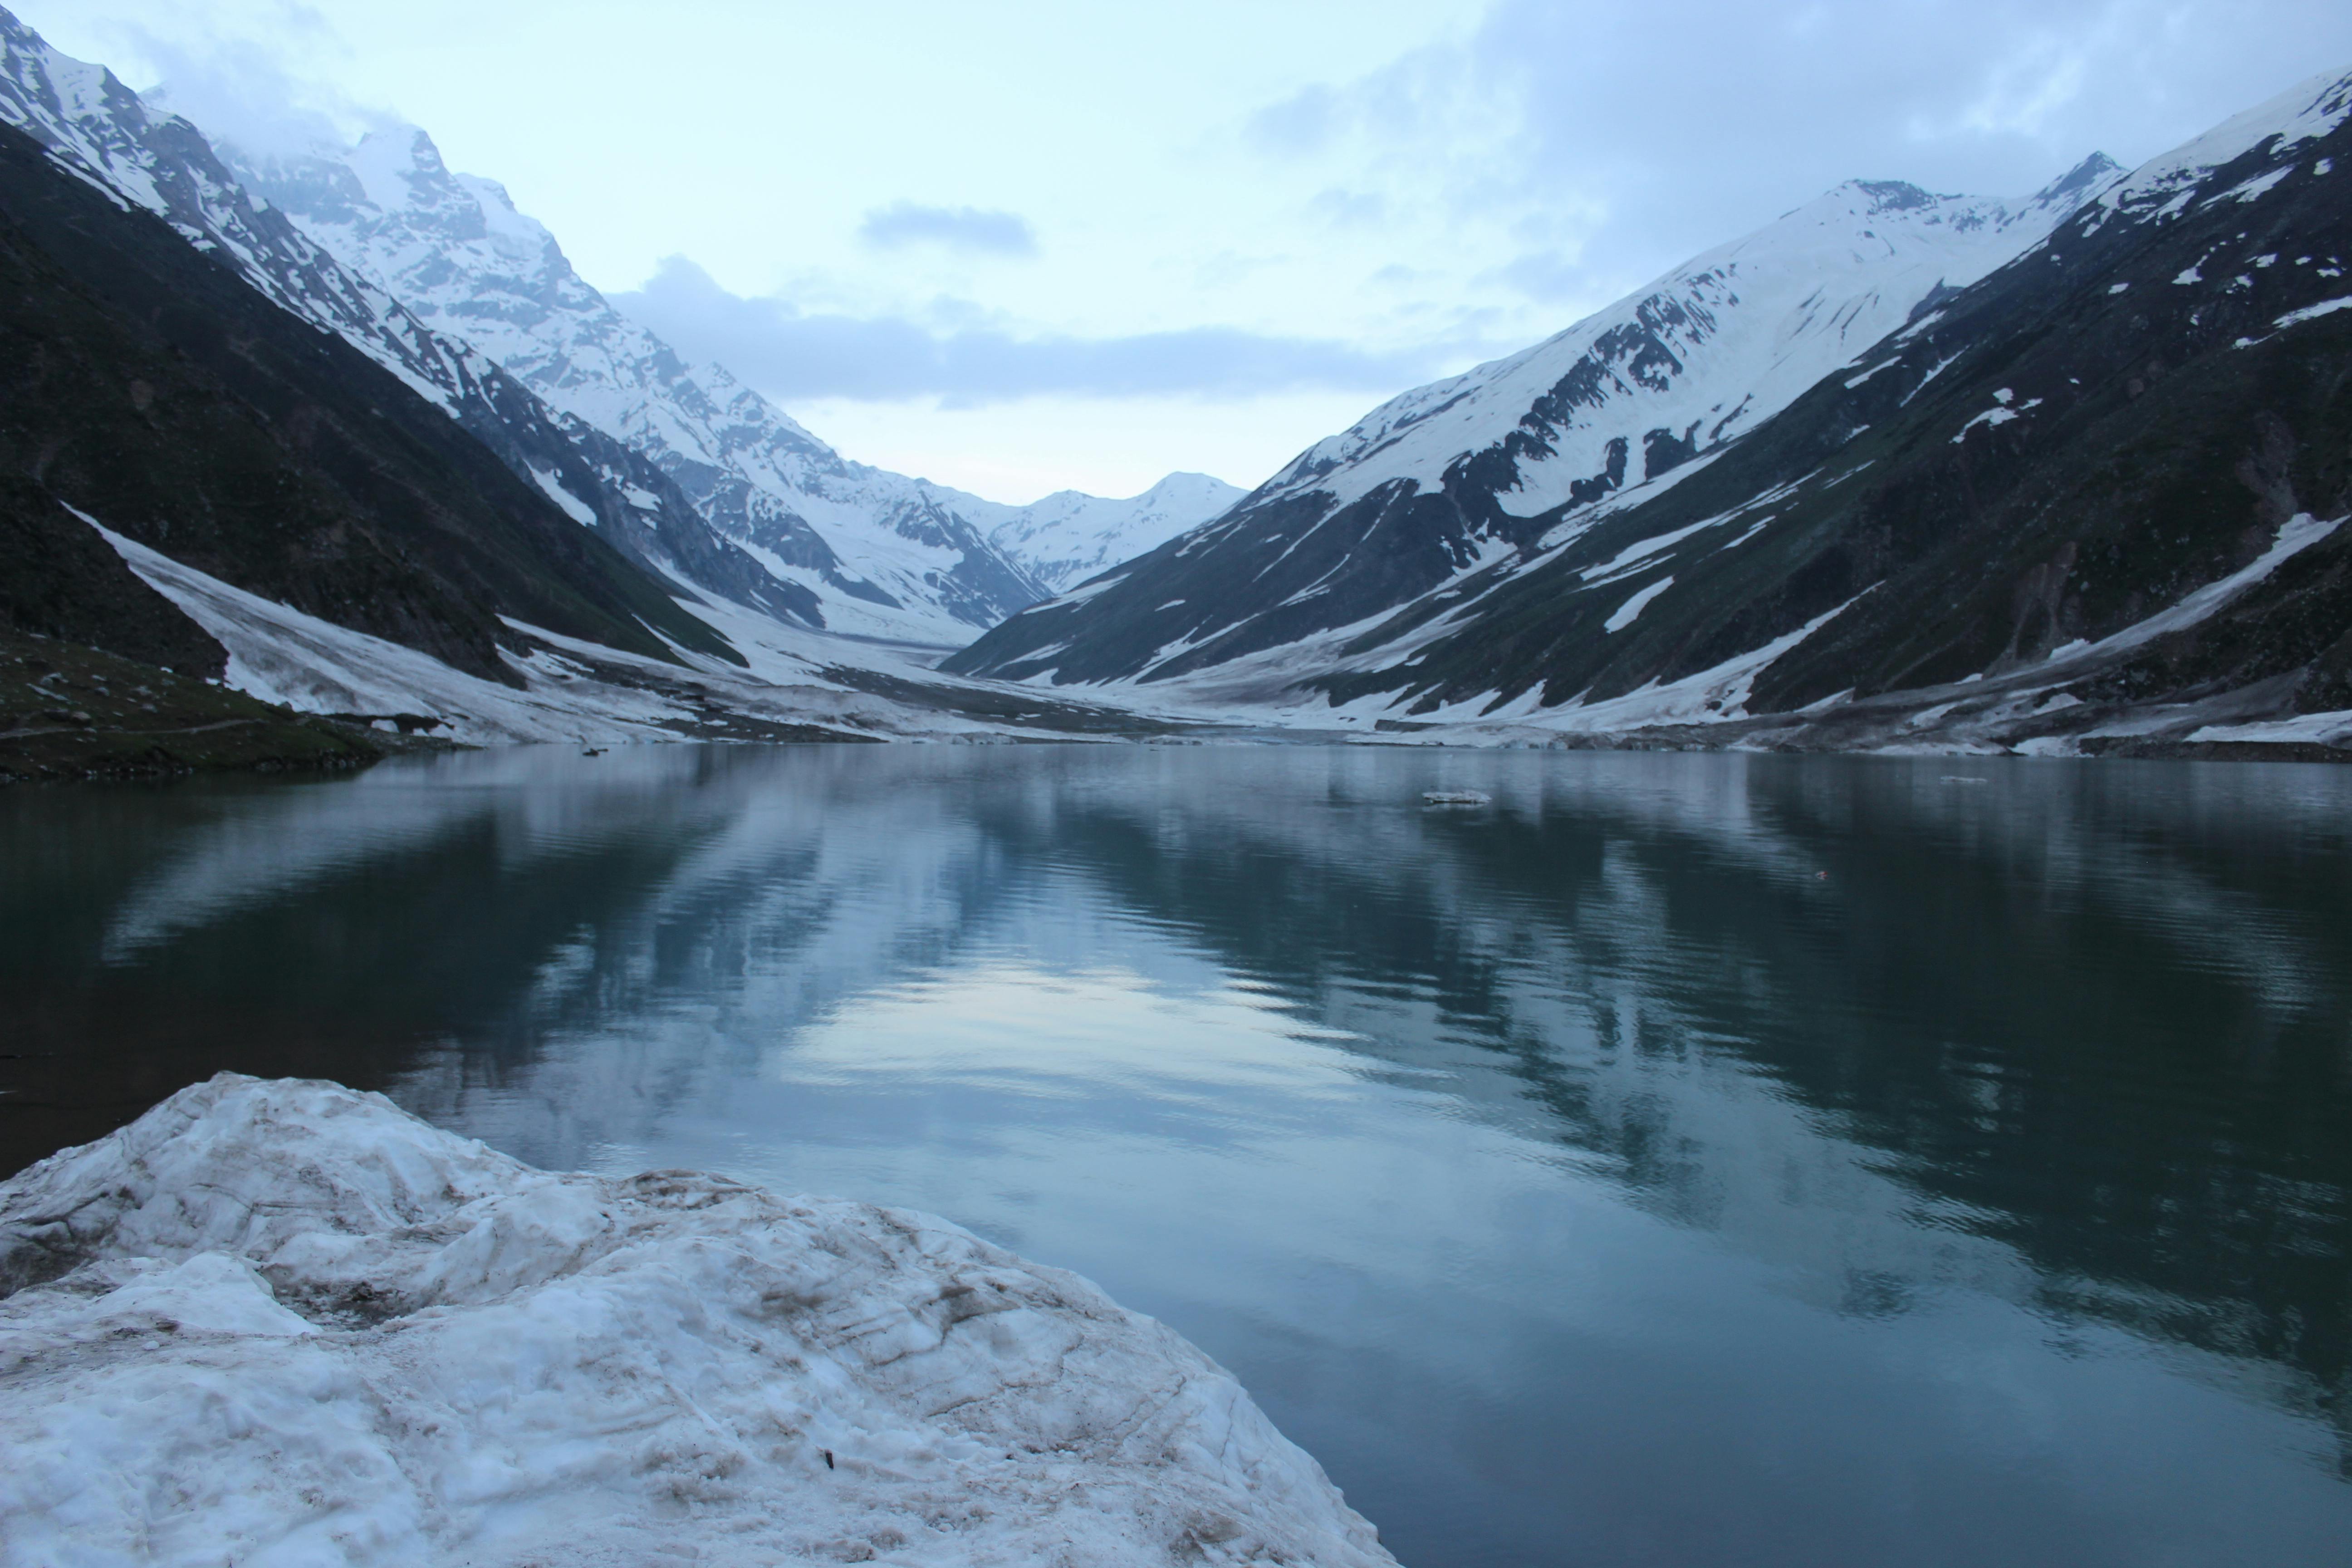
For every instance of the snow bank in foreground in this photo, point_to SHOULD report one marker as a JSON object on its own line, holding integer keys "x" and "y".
{"x": 284, "y": 1322}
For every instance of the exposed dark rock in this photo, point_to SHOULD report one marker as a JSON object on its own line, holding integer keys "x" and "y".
{"x": 1381, "y": 530}
{"x": 2109, "y": 424}
{"x": 70, "y": 713}
{"x": 147, "y": 384}
{"x": 59, "y": 579}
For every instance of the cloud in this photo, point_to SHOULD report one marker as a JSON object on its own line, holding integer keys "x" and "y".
{"x": 1349, "y": 209}
{"x": 1542, "y": 275}
{"x": 791, "y": 355}
{"x": 955, "y": 228}
{"x": 1587, "y": 147}
{"x": 238, "y": 89}
{"x": 1298, "y": 124}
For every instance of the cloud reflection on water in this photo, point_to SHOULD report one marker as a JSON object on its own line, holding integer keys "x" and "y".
{"x": 1985, "y": 1199}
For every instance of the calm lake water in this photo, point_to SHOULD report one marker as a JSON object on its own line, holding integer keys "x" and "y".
{"x": 1584, "y": 1179}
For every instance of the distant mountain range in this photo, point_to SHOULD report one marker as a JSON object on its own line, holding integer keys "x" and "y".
{"x": 1071, "y": 536}
{"x": 881, "y": 553}
{"x": 436, "y": 277}
{"x": 2063, "y": 473}
{"x": 1896, "y": 469}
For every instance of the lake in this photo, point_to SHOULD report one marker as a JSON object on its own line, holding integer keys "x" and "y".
{"x": 1686, "y": 1159}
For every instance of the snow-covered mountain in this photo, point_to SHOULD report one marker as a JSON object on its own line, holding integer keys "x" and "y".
{"x": 439, "y": 277}
{"x": 2092, "y": 501}
{"x": 1070, "y": 536}
{"x": 1444, "y": 478}
{"x": 100, "y": 130}
{"x": 884, "y": 554}
{"x": 1699, "y": 357}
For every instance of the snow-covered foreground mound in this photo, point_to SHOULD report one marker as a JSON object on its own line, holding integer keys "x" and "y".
{"x": 283, "y": 1322}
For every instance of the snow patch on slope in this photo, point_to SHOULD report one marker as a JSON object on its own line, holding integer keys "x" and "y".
{"x": 2295, "y": 535}
{"x": 2312, "y": 312}
{"x": 2309, "y": 110}
{"x": 286, "y": 1321}
{"x": 280, "y": 653}
{"x": 573, "y": 690}
{"x": 574, "y": 506}
{"x": 100, "y": 130}
{"x": 1631, "y": 610}
{"x": 1702, "y": 354}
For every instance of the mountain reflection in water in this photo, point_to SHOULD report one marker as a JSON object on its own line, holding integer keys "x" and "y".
{"x": 1583, "y": 1178}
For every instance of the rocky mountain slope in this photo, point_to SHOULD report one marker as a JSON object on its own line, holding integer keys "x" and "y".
{"x": 2089, "y": 502}
{"x": 1470, "y": 470}
{"x": 145, "y": 384}
{"x": 101, "y": 132}
{"x": 69, "y": 712}
{"x": 883, "y": 554}
{"x": 223, "y": 453}
{"x": 2092, "y": 503}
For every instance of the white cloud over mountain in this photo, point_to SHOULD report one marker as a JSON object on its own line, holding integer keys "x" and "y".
{"x": 1327, "y": 197}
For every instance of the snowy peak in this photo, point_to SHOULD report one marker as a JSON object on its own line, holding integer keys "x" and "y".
{"x": 1703, "y": 353}
{"x": 1070, "y": 536}
{"x": 143, "y": 155}
{"x": 66, "y": 103}
{"x": 885, "y": 556}
{"x": 888, "y": 555}
{"x": 1527, "y": 452}
{"x": 2080, "y": 184}
{"x": 402, "y": 170}
{"x": 2059, "y": 197}
{"x": 104, "y": 133}
{"x": 101, "y": 132}
{"x": 391, "y": 206}
{"x": 452, "y": 247}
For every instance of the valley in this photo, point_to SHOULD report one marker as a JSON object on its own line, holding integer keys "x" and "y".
{"x": 2058, "y": 475}
{"x": 1695, "y": 926}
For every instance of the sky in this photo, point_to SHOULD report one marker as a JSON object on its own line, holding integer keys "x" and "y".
{"x": 1022, "y": 248}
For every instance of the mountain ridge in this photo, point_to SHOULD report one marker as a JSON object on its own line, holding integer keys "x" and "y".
{"x": 888, "y": 554}
{"x": 101, "y": 132}
{"x": 2091, "y": 500}
{"x": 1898, "y": 468}
{"x": 1469, "y": 469}
{"x": 1070, "y": 536}
{"x": 149, "y": 387}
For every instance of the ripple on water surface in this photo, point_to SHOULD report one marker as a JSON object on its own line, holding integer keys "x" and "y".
{"x": 1678, "y": 1158}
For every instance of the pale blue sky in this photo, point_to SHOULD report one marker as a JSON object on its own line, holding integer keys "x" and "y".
{"x": 1017, "y": 248}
